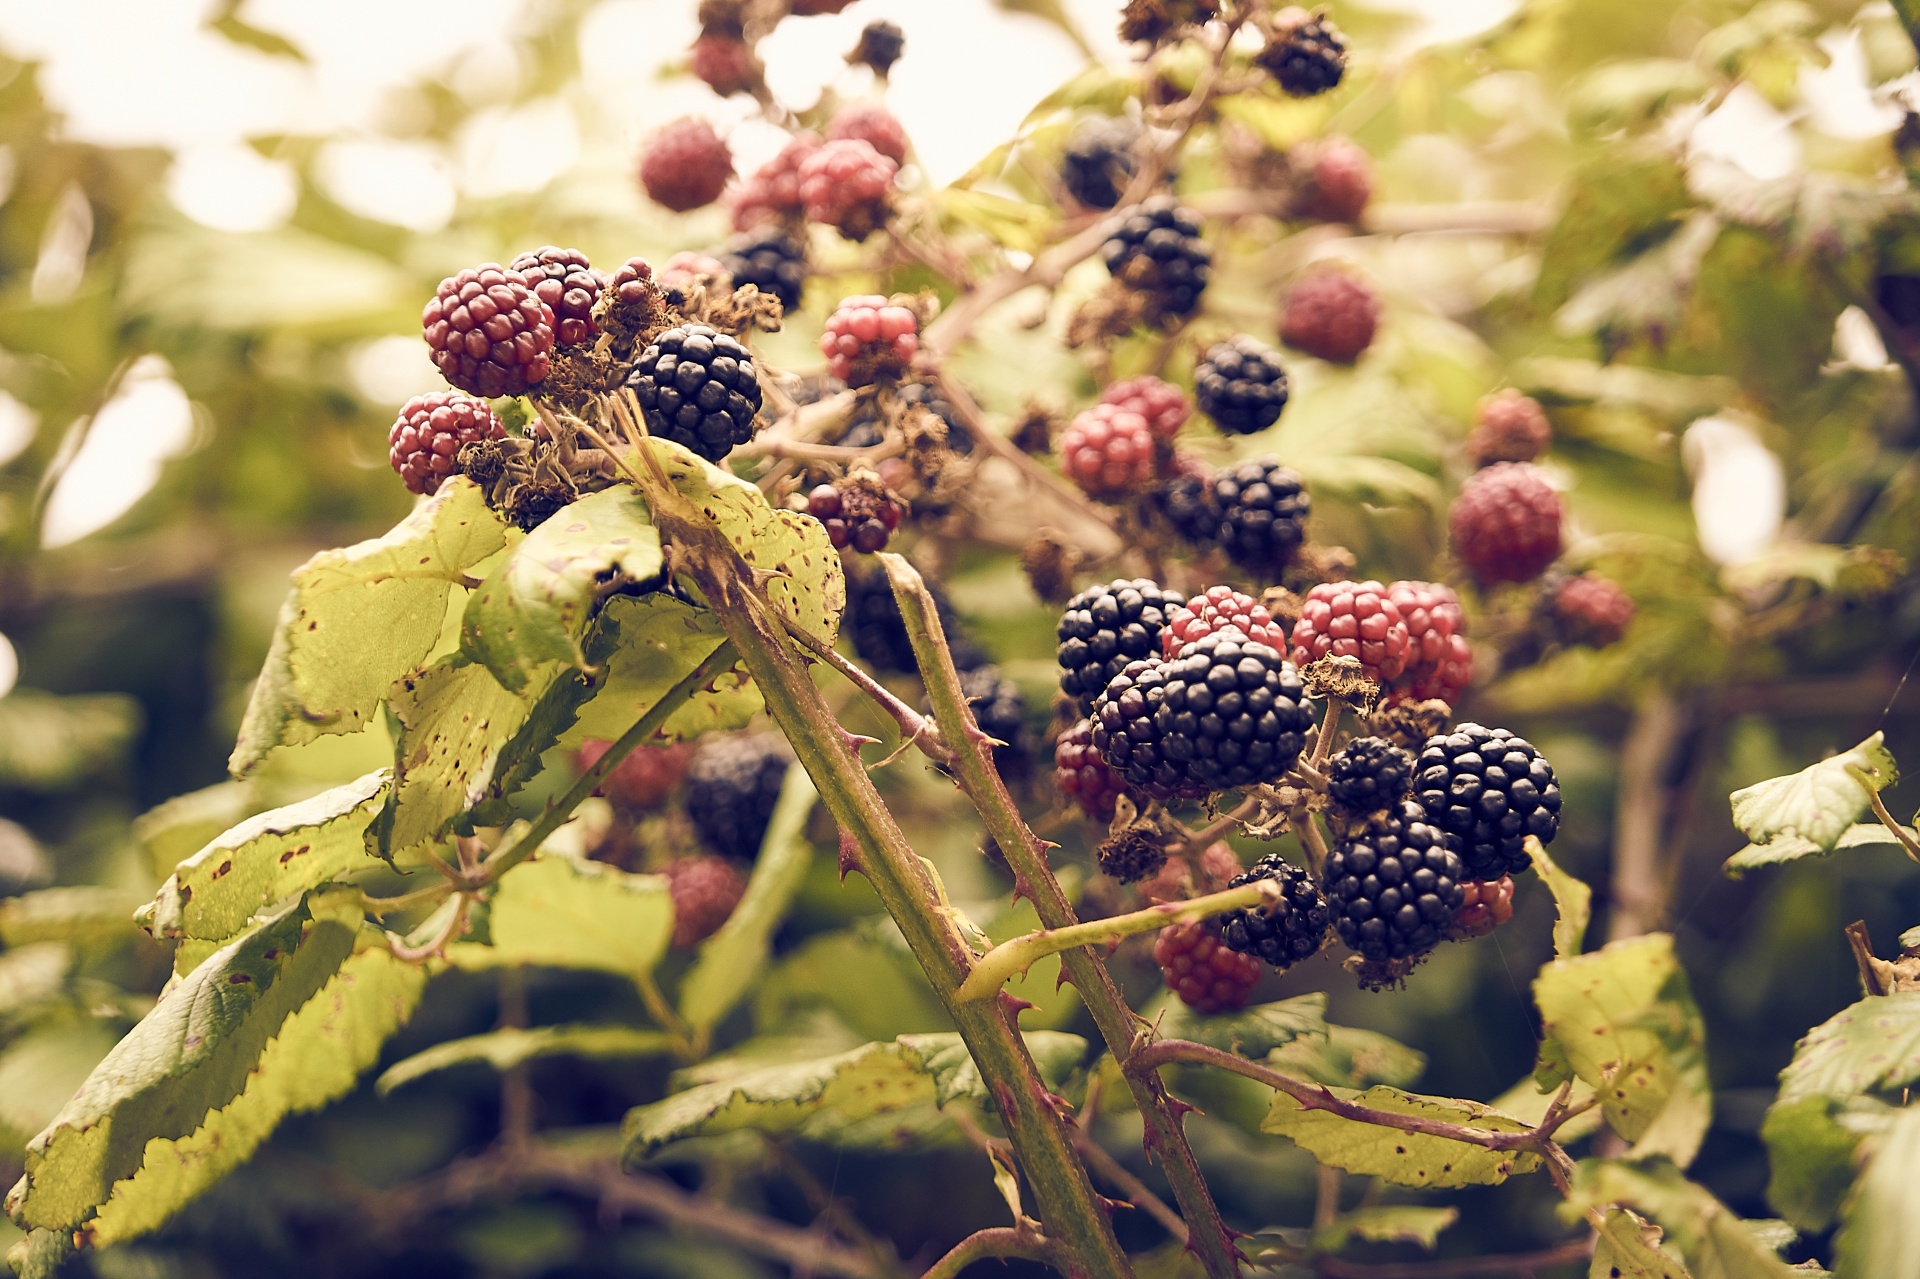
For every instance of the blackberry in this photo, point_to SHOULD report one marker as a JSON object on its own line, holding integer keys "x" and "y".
{"x": 771, "y": 193}
{"x": 1505, "y": 523}
{"x": 929, "y": 397}
{"x": 1158, "y": 253}
{"x": 1233, "y": 712}
{"x": 1132, "y": 855}
{"x": 1198, "y": 967}
{"x": 1590, "y": 609}
{"x": 568, "y": 284}
{"x": 1098, "y": 161}
{"x": 1331, "y": 315}
{"x": 686, "y": 165}
{"x": 1306, "y": 53}
{"x": 880, "y": 633}
{"x": 1489, "y": 790}
{"x": 1241, "y": 386}
{"x": 1339, "y": 182}
{"x": 731, "y": 788}
{"x": 1105, "y": 627}
{"x": 1508, "y": 427}
{"x": 643, "y": 780}
{"x": 1367, "y": 775}
{"x": 1001, "y": 715}
{"x": 1487, "y": 905}
{"x": 1164, "y": 405}
{"x": 1126, "y": 732}
{"x": 848, "y": 185}
{"x": 704, "y": 890}
{"x": 424, "y": 442}
{"x": 1440, "y": 662}
{"x": 1263, "y": 510}
{"x": 1292, "y": 929}
{"x": 1108, "y": 451}
{"x": 869, "y": 339}
{"x": 1219, "y": 607}
{"x": 879, "y": 47}
{"x": 771, "y": 261}
{"x": 1188, "y": 503}
{"x": 1394, "y": 885}
{"x": 725, "y": 63}
{"x": 859, "y": 512}
{"x": 489, "y": 333}
{"x": 873, "y": 124}
{"x": 1081, "y": 772}
{"x": 698, "y": 389}
{"x": 1353, "y": 619}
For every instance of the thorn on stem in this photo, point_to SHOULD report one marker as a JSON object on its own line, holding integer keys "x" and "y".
{"x": 849, "y": 855}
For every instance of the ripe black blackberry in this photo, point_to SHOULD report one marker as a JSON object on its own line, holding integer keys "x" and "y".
{"x": 1263, "y": 510}
{"x": 1188, "y": 503}
{"x": 1099, "y": 160}
{"x": 1232, "y": 712}
{"x": 1158, "y": 252}
{"x": 1240, "y": 385}
{"x": 880, "y": 633}
{"x": 1489, "y": 790}
{"x": 771, "y": 261}
{"x": 566, "y": 282}
{"x": 1104, "y": 628}
{"x": 1001, "y": 714}
{"x": 1394, "y": 885}
{"x": 1292, "y": 929}
{"x": 698, "y": 388}
{"x": 1306, "y": 53}
{"x": 1126, "y": 732}
{"x": 1367, "y": 775}
{"x": 731, "y": 788}
{"x": 879, "y": 47}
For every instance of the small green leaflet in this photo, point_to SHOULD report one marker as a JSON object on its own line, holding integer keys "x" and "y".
{"x": 1350, "y": 1058}
{"x": 452, "y": 723}
{"x": 358, "y": 619}
{"x": 1253, "y": 1032}
{"x": 1623, "y": 1020}
{"x": 268, "y": 858}
{"x": 1880, "y": 1238}
{"x": 1807, "y": 812}
{"x": 1627, "y": 1246}
{"x": 1386, "y": 1223}
{"x": 817, "y": 1099}
{"x": 512, "y": 1046}
{"x": 534, "y": 607}
{"x": 1870, "y": 1046}
{"x": 1714, "y": 1242}
{"x": 1572, "y": 900}
{"x": 566, "y": 912}
{"x": 1403, "y": 1158}
{"x": 1787, "y": 848}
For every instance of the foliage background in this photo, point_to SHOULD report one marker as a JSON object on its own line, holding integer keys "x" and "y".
{"x": 136, "y": 642}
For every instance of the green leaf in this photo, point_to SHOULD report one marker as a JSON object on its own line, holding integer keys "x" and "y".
{"x": 534, "y": 607}
{"x": 1403, "y": 1158}
{"x": 1386, "y": 1223}
{"x": 452, "y": 724}
{"x": 1811, "y": 1155}
{"x": 1254, "y": 1032}
{"x": 266, "y": 859}
{"x": 1013, "y": 224}
{"x": 1881, "y": 1236}
{"x": 40, "y": 1071}
{"x": 1786, "y": 848}
{"x": 47, "y": 742}
{"x": 1572, "y": 900}
{"x": 735, "y": 959}
{"x": 193, "y": 1054}
{"x": 29, "y": 975}
{"x": 1627, "y": 1246}
{"x": 80, "y": 914}
{"x": 1714, "y": 1242}
{"x": 187, "y": 275}
{"x": 1525, "y": 1100}
{"x": 1811, "y": 809}
{"x": 41, "y": 1254}
{"x": 566, "y": 912}
{"x": 358, "y": 619}
{"x": 1350, "y": 1058}
{"x": 816, "y": 1099}
{"x": 512, "y": 1046}
{"x": 317, "y": 1057}
{"x": 1873, "y": 1045}
{"x": 173, "y": 831}
{"x": 1627, "y": 1025}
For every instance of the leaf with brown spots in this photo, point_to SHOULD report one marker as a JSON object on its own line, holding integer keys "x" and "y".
{"x": 1403, "y": 1158}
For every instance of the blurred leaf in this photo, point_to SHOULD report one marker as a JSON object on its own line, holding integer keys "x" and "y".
{"x": 173, "y": 831}
{"x": 1811, "y": 809}
{"x": 1403, "y": 1158}
{"x": 29, "y": 975}
{"x": 1626, "y": 1246}
{"x": 1053, "y": 12}
{"x": 241, "y": 32}
{"x": 359, "y": 619}
{"x": 512, "y": 1046}
{"x": 892, "y": 997}
{"x": 80, "y": 914}
{"x": 266, "y": 859}
{"x": 1715, "y": 1243}
{"x": 1386, "y": 1223}
{"x": 1627, "y": 94}
{"x": 1627, "y": 1025}
{"x": 1849, "y": 571}
{"x": 1871, "y": 1046}
{"x": 47, "y": 742}
{"x": 814, "y": 1099}
{"x": 317, "y": 1057}
{"x": 452, "y": 725}
{"x": 40, "y": 1070}
{"x": 534, "y": 607}
{"x": 569, "y": 913}
{"x": 1786, "y": 848}
{"x": 188, "y": 276}
{"x": 1528, "y": 1102}
{"x": 1811, "y": 1155}
{"x": 1572, "y": 900}
{"x": 1616, "y": 204}
{"x": 1374, "y": 481}
{"x": 1350, "y": 1058}
{"x": 1645, "y": 298}
{"x": 734, "y": 959}
{"x": 1013, "y": 224}
{"x": 1254, "y": 1032}
{"x": 41, "y": 1254}
{"x": 1880, "y": 1238}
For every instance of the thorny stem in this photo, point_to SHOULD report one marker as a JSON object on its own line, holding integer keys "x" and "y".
{"x": 915, "y": 728}
{"x": 1137, "y": 1192}
{"x": 995, "y": 1241}
{"x": 973, "y": 764}
{"x": 1010, "y": 959}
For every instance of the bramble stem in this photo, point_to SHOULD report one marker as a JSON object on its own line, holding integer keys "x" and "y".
{"x": 1886, "y": 819}
{"x": 915, "y": 728}
{"x": 1010, "y": 959}
{"x": 973, "y": 765}
{"x": 995, "y": 1241}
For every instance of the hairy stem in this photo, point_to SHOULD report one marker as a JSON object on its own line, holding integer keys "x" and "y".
{"x": 973, "y": 765}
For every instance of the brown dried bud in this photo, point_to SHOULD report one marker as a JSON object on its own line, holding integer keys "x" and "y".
{"x": 1343, "y": 677}
{"x": 1132, "y": 855}
{"x": 1408, "y": 725}
{"x": 1049, "y": 564}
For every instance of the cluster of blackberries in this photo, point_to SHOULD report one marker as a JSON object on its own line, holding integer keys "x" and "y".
{"x": 1254, "y": 511}
{"x": 857, "y": 515}
{"x": 1158, "y": 253}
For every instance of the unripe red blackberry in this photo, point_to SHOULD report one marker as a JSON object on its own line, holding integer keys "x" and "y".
{"x": 1158, "y": 253}
{"x": 1353, "y": 619}
{"x": 1508, "y": 427}
{"x": 1099, "y": 160}
{"x": 1221, "y": 606}
{"x": 1489, "y": 790}
{"x": 1164, "y": 405}
{"x": 1332, "y": 315}
{"x": 697, "y": 388}
{"x": 1592, "y": 610}
{"x": 1486, "y": 905}
{"x": 424, "y": 442}
{"x": 490, "y": 335}
{"x": 1306, "y": 53}
{"x": 1108, "y": 451}
{"x": 1441, "y": 662}
{"x": 725, "y": 63}
{"x": 1291, "y": 929}
{"x": 1339, "y": 181}
{"x": 705, "y": 889}
{"x": 1262, "y": 508}
{"x": 568, "y": 284}
{"x": 772, "y": 193}
{"x": 1083, "y": 774}
{"x": 731, "y": 788}
{"x": 848, "y": 185}
{"x": 1367, "y": 775}
{"x": 685, "y": 165}
{"x": 1240, "y": 385}
{"x": 681, "y": 270}
{"x": 1105, "y": 627}
{"x": 642, "y": 780}
{"x": 861, "y": 516}
{"x": 873, "y": 124}
{"x": 1394, "y": 885}
{"x": 1505, "y": 523}
{"x": 869, "y": 339}
{"x": 1198, "y": 967}
{"x": 771, "y": 261}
